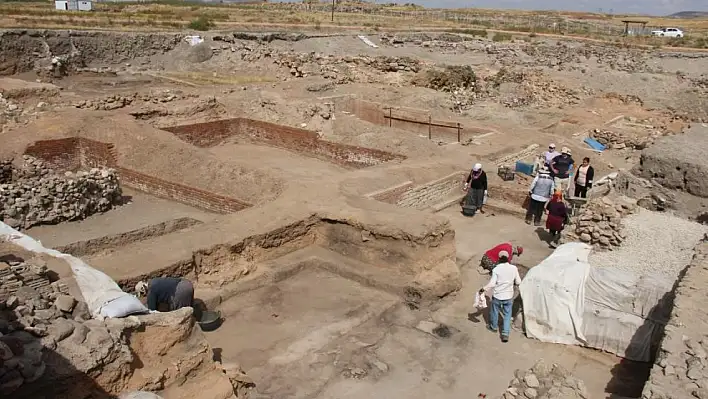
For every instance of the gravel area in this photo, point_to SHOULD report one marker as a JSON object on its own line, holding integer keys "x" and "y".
{"x": 656, "y": 243}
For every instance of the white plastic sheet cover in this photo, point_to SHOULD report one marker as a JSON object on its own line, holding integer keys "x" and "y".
{"x": 625, "y": 312}
{"x": 193, "y": 40}
{"x": 97, "y": 288}
{"x": 553, "y": 295}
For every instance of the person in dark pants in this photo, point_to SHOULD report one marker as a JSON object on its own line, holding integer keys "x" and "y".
{"x": 557, "y": 218}
{"x": 171, "y": 293}
{"x": 583, "y": 178}
{"x": 540, "y": 192}
{"x": 476, "y": 186}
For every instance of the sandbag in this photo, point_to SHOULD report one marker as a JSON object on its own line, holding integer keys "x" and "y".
{"x": 123, "y": 306}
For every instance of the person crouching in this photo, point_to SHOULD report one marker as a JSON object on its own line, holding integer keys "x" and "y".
{"x": 169, "y": 293}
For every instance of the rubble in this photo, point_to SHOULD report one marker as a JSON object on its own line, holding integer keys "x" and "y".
{"x": 679, "y": 370}
{"x": 545, "y": 381}
{"x": 617, "y": 140}
{"x": 33, "y": 315}
{"x": 448, "y": 78}
{"x": 37, "y": 195}
{"x": 562, "y": 56}
{"x": 600, "y": 223}
{"x": 51, "y": 347}
{"x": 117, "y": 101}
{"x": 5, "y": 171}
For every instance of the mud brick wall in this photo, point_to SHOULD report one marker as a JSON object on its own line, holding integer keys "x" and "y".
{"x": 94, "y": 153}
{"x": 420, "y": 197}
{"x": 393, "y": 194}
{"x": 179, "y": 192}
{"x": 306, "y": 142}
{"x": 409, "y": 119}
{"x": 74, "y": 153}
{"x": 433, "y": 192}
{"x": 303, "y": 141}
{"x": 61, "y": 153}
{"x": 206, "y": 134}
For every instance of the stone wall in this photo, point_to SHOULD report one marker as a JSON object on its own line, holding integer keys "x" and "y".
{"x": 37, "y": 195}
{"x": 422, "y": 196}
{"x": 433, "y": 192}
{"x": 681, "y": 369}
{"x": 545, "y": 381}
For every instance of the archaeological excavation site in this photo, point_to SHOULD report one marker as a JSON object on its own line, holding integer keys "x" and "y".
{"x": 309, "y": 186}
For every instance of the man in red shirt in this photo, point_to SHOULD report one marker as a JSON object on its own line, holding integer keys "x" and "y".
{"x": 491, "y": 257}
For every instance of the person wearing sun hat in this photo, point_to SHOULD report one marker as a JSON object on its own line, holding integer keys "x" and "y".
{"x": 550, "y": 154}
{"x": 561, "y": 167}
{"x": 505, "y": 277}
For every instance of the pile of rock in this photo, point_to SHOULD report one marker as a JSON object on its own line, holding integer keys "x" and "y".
{"x": 600, "y": 223}
{"x": 117, "y": 101}
{"x": 9, "y": 108}
{"x": 5, "y": 171}
{"x": 39, "y": 196}
{"x": 569, "y": 57}
{"x": 617, "y": 140}
{"x": 547, "y": 382}
{"x": 34, "y": 313}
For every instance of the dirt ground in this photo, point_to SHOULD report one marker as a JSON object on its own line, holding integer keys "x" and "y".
{"x": 318, "y": 334}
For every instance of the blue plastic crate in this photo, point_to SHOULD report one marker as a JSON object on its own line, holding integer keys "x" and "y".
{"x": 523, "y": 167}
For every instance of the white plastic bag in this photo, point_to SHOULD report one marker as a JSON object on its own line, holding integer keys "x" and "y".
{"x": 123, "y": 306}
{"x": 480, "y": 301}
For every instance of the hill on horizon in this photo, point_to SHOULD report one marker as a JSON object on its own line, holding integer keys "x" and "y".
{"x": 689, "y": 14}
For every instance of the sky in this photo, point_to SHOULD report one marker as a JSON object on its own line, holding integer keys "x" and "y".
{"x": 650, "y": 7}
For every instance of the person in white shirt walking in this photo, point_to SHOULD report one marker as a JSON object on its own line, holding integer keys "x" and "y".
{"x": 504, "y": 277}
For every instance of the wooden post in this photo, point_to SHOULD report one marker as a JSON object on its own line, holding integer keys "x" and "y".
{"x": 390, "y": 116}
{"x": 430, "y": 127}
{"x": 458, "y": 133}
{"x": 333, "y": 1}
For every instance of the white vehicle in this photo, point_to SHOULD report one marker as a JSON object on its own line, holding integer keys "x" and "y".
{"x": 668, "y": 32}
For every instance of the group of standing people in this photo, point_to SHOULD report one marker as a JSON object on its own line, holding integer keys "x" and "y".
{"x": 547, "y": 188}
{"x": 545, "y": 196}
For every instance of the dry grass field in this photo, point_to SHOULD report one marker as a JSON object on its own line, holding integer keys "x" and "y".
{"x": 174, "y": 15}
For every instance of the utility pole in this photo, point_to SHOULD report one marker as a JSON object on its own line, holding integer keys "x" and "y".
{"x": 333, "y": 1}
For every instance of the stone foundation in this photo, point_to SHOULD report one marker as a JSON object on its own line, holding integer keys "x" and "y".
{"x": 35, "y": 194}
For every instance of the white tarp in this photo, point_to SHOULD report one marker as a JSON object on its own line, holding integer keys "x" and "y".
{"x": 97, "y": 288}
{"x": 625, "y": 312}
{"x": 193, "y": 40}
{"x": 552, "y": 295}
{"x": 367, "y": 41}
{"x": 567, "y": 301}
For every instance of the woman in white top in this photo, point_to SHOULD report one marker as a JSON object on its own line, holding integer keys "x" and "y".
{"x": 583, "y": 178}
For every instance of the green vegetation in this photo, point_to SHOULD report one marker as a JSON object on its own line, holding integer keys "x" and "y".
{"x": 201, "y": 23}
{"x": 502, "y": 37}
